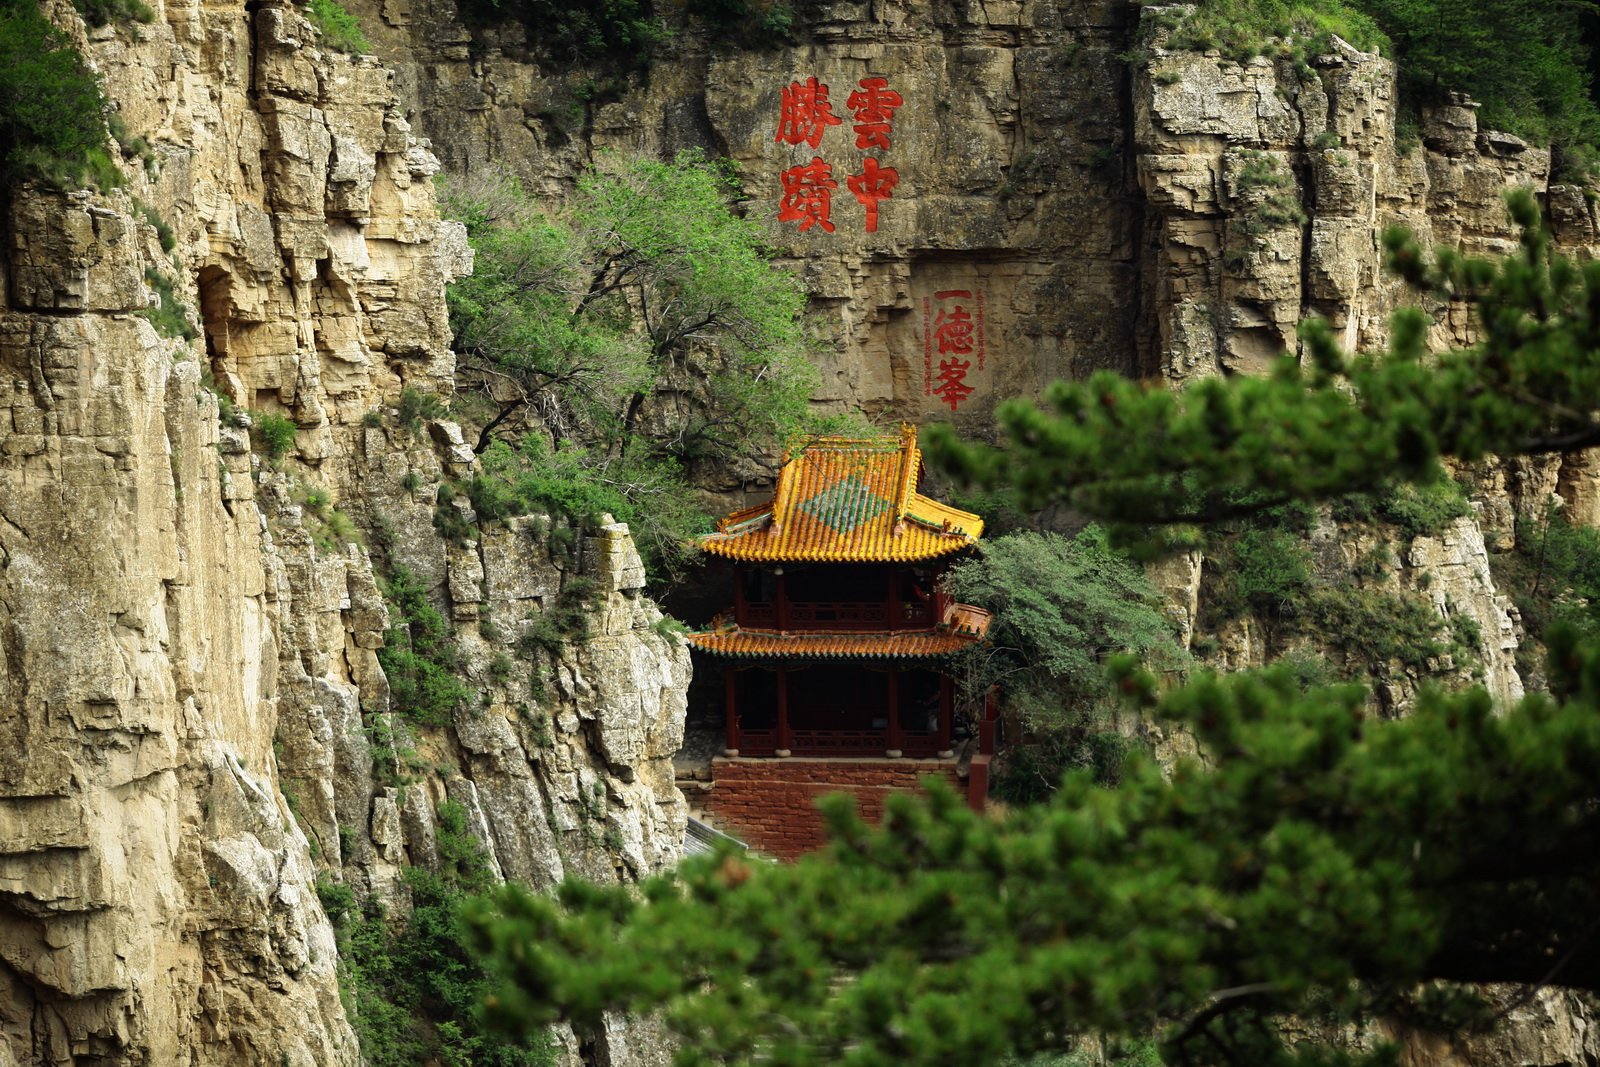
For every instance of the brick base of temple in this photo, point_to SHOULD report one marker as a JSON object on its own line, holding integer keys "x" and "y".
{"x": 771, "y": 803}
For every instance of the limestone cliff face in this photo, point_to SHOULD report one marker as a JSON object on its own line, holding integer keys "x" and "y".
{"x": 1097, "y": 199}
{"x": 1008, "y": 148}
{"x": 193, "y": 716}
{"x": 1267, "y": 191}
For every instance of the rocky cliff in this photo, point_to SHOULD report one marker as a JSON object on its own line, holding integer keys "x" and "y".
{"x": 191, "y": 606}
{"x": 195, "y": 718}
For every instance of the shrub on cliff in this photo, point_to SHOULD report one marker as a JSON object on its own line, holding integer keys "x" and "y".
{"x": 1322, "y": 865}
{"x": 409, "y": 983}
{"x": 1062, "y": 606}
{"x": 52, "y": 110}
{"x": 583, "y": 484}
{"x": 1525, "y": 61}
{"x": 419, "y": 657}
{"x": 620, "y": 32}
{"x": 340, "y": 30}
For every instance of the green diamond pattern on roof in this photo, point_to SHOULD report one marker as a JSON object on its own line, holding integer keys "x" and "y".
{"x": 845, "y": 505}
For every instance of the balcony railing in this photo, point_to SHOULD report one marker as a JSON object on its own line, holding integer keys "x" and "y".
{"x": 838, "y": 615}
{"x": 922, "y": 744}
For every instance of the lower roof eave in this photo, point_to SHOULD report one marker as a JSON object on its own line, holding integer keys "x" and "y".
{"x": 776, "y": 646}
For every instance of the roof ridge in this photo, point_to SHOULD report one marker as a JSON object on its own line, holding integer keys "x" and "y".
{"x": 910, "y": 472}
{"x": 843, "y": 498}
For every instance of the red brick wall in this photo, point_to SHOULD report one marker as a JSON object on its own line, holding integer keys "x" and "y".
{"x": 771, "y": 803}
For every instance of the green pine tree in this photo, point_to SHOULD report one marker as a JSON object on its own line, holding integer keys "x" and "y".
{"x": 1322, "y": 865}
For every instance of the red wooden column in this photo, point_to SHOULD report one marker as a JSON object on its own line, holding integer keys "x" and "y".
{"x": 741, "y": 613}
{"x": 782, "y": 608}
{"x": 784, "y": 746}
{"x": 895, "y": 617}
{"x": 730, "y": 690}
{"x": 947, "y": 689}
{"x": 896, "y": 745}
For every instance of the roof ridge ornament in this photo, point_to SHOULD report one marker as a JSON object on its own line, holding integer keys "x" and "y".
{"x": 848, "y": 499}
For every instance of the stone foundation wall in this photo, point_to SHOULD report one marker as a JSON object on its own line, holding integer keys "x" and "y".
{"x": 772, "y": 803}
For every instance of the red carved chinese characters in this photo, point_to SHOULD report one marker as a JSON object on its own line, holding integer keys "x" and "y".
{"x": 952, "y": 331}
{"x": 874, "y": 183}
{"x": 957, "y": 335}
{"x": 808, "y": 195}
{"x": 874, "y": 106}
{"x": 804, "y": 117}
{"x": 805, "y": 114}
{"x": 952, "y": 385}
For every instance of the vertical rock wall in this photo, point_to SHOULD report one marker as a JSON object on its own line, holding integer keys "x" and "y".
{"x": 1117, "y": 204}
{"x": 1008, "y": 147}
{"x": 195, "y": 718}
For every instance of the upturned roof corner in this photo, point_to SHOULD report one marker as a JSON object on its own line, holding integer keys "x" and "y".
{"x": 847, "y": 499}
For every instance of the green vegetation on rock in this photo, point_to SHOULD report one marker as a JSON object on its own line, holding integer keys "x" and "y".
{"x": 1062, "y": 606}
{"x": 1420, "y": 509}
{"x": 103, "y": 12}
{"x": 52, "y": 110}
{"x": 419, "y": 656}
{"x": 750, "y": 23}
{"x": 1553, "y": 577}
{"x": 168, "y": 316}
{"x": 620, "y": 32}
{"x": 408, "y": 982}
{"x": 274, "y": 434}
{"x": 340, "y": 30}
{"x": 1524, "y": 61}
{"x": 620, "y": 346}
{"x": 1295, "y": 29}
{"x": 581, "y": 485}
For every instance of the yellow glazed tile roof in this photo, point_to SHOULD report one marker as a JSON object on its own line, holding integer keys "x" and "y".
{"x": 849, "y": 500}
{"x": 963, "y": 627}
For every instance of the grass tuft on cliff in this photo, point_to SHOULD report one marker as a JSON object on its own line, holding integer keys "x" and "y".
{"x": 340, "y": 30}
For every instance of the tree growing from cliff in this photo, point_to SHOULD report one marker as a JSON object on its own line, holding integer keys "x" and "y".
{"x": 1061, "y": 607}
{"x": 649, "y": 286}
{"x": 1323, "y": 865}
{"x": 638, "y": 334}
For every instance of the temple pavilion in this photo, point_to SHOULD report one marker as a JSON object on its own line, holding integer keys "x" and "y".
{"x": 839, "y": 637}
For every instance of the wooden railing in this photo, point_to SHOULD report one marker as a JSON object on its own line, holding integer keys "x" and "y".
{"x": 839, "y": 742}
{"x": 760, "y": 614}
{"x": 838, "y": 615}
{"x": 914, "y": 743}
{"x": 758, "y": 742}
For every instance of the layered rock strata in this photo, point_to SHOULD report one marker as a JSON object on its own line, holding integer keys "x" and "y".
{"x": 198, "y": 725}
